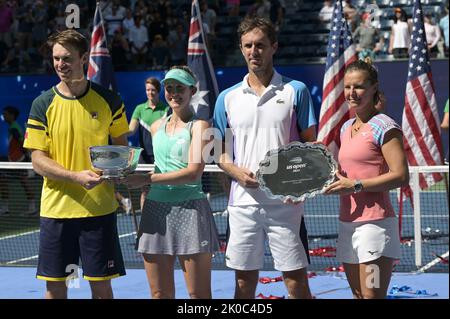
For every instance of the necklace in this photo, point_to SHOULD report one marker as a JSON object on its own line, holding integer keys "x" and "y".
{"x": 175, "y": 122}
{"x": 356, "y": 129}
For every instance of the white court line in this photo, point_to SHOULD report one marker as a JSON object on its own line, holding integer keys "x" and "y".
{"x": 36, "y": 256}
{"x": 126, "y": 235}
{"x": 37, "y": 231}
{"x": 18, "y": 235}
{"x": 21, "y": 259}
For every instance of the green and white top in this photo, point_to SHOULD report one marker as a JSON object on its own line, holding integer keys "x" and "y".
{"x": 172, "y": 154}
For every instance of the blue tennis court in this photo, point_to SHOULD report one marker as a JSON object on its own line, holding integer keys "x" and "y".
{"x": 21, "y": 249}
{"x": 20, "y": 283}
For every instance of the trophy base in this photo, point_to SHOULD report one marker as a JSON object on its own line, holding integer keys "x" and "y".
{"x": 112, "y": 174}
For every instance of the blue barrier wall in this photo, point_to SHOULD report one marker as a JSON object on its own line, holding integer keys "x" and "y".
{"x": 20, "y": 91}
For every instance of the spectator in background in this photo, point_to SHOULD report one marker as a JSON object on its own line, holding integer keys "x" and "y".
{"x": 214, "y": 4}
{"x": 16, "y": 59}
{"x": 113, "y": 20}
{"x": 46, "y": 58}
{"x": 433, "y": 34}
{"x": 178, "y": 41}
{"x": 16, "y": 153}
{"x": 367, "y": 38}
{"x": 107, "y": 10}
{"x": 140, "y": 8}
{"x": 172, "y": 19}
{"x": 443, "y": 23}
{"x": 277, "y": 10}
{"x": 351, "y": 14}
{"x": 127, "y": 23}
{"x": 158, "y": 26}
{"x": 163, "y": 7}
{"x": 6, "y": 22}
{"x": 400, "y": 35}
{"x": 160, "y": 53}
{"x": 143, "y": 117}
{"x": 233, "y": 7}
{"x": 209, "y": 18}
{"x": 260, "y": 8}
{"x": 24, "y": 15}
{"x": 138, "y": 42}
{"x": 59, "y": 23}
{"x": 39, "y": 29}
{"x": 119, "y": 51}
{"x": 326, "y": 12}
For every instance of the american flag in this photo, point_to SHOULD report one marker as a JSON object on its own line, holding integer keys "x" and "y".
{"x": 422, "y": 139}
{"x": 100, "y": 68}
{"x": 341, "y": 52}
{"x": 200, "y": 63}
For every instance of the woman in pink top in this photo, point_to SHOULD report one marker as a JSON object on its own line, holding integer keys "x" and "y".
{"x": 372, "y": 161}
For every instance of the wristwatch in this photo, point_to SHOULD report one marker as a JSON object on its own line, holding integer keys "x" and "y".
{"x": 358, "y": 186}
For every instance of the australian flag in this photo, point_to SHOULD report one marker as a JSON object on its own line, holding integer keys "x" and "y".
{"x": 200, "y": 63}
{"x": 100, "y": 68}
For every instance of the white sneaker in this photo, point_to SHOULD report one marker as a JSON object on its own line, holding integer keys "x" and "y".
{"x": 126, "y": 202}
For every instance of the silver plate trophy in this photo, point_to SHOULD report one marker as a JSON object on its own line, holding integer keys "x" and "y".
{"x": 114, "y": 160}
{"x": 296, "y": 171}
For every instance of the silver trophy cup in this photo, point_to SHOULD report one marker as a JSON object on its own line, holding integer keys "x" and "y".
{"x": 114, "y": 160}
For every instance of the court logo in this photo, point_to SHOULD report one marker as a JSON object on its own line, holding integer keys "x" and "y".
{"x": 181, "y": 141}
{"x": 204, "y": 243}
{"x": 73, "y": 280}
{"x": 296, "y": 160}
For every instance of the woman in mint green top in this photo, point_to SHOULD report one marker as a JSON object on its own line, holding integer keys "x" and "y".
{"x": 176, "y": 218}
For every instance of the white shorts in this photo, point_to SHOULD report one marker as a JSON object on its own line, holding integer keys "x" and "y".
{"x": 361, "y": 242}
{"x": 250, "y": 226}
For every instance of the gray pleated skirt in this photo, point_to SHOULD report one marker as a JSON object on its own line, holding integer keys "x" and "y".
{"x": 177, "y": 228}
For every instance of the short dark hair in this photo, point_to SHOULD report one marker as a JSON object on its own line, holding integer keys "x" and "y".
{"x": 155, "y": 82}
{"x": 265, "y": 25}
{"x": 70, "y": 37}
{"x": 12, "y": 110}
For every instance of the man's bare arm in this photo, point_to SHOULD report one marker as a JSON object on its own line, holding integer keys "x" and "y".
{"x": 47, "y": 167}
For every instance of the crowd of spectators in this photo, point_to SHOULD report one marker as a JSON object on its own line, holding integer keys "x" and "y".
{"x": 140, "y": 34}
{"x": 153, "y": 34}
{"x": 364, "y": 22}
